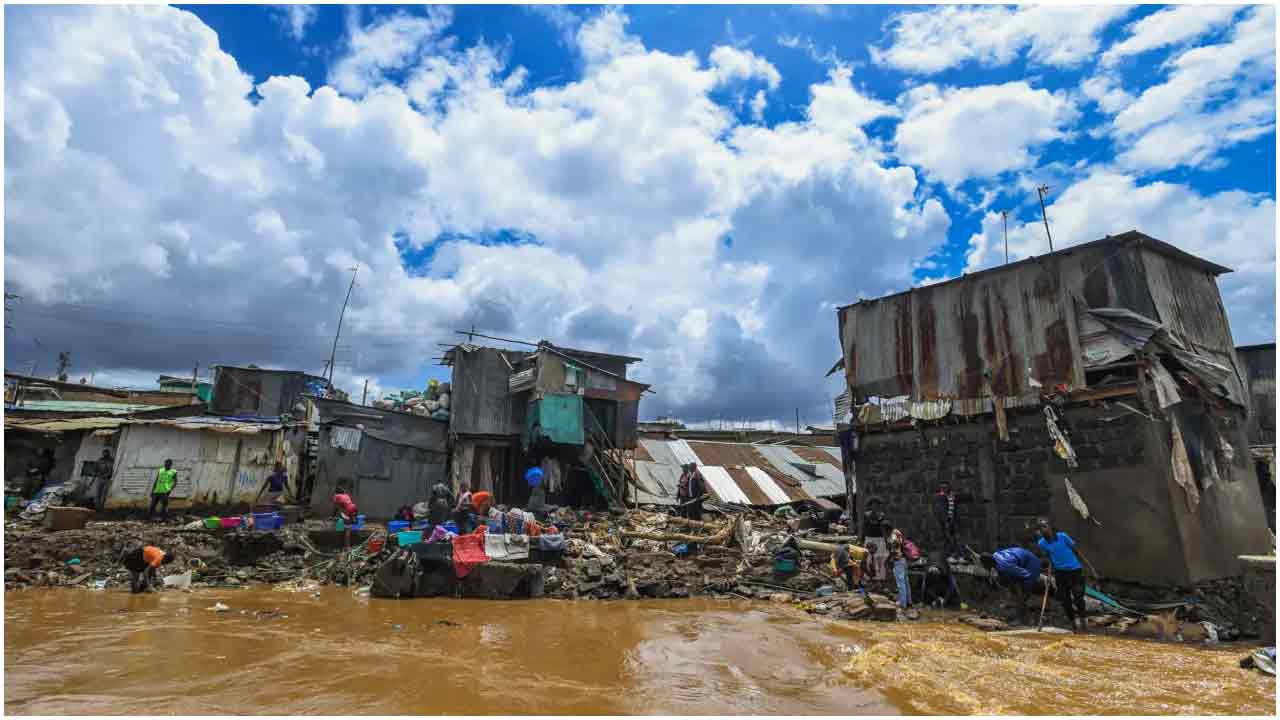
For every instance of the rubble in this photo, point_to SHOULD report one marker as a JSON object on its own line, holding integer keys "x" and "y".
{"x": 641, "y": 553}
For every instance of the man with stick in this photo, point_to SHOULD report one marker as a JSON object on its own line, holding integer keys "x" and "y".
{"x": 1067, "y": 571}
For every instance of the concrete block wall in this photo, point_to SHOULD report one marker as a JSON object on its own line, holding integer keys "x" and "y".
{"x": 1010, "y": 481}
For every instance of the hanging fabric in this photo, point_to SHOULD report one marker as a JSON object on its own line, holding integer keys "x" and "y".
{"x": 463, "y": 457}
{"x": 1002, "y": 420}
{"x": 1077, "y": 502}
{"x": 1165, "y": 386}
{"x": 1182, "y": 473}
{"x": 484, "y": 471}
{"x": 1061, "y": 445}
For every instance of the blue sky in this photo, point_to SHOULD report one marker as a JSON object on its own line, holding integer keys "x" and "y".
{"x": 252, "y": 33}
{"x": 656, "y": 180}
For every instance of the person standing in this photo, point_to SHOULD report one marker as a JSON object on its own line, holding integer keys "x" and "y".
{"x": 944, "y": 509}
{"x": 103, "y": 472}
{"x": 898, "y": 556}
{"x": 166, "y": 479}
{"x": 697, "y": 492}
{"x": 462, "y": 510}
{"x": 1068, "y": 574}
{"x": 873, "y": 534}
{"x": 441, "y": 502}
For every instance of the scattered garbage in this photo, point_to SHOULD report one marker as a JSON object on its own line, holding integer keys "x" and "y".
{"x": 1263, "y": 659}
{"x": 74, "y": 561}
{"x": 181, "y": 581}
{"x": 218, "y": 607}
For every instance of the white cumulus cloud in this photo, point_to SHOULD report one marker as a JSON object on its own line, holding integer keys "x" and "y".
{"x": 929, "y": 41}
{"x": 979, "y": 132}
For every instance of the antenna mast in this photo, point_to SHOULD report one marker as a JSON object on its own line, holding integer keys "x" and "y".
{"x": 1042, "y": 191}
{"x": 1004, "y": 214}
{"x": 333, "y": 353}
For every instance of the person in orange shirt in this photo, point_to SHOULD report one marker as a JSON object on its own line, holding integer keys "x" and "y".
{"x": 141, "y": 562}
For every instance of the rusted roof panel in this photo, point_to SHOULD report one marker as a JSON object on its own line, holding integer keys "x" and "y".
{"x": 990, "y": 333}
{"x": 877, "y": 337}
{"x": 722, "y": 486}
{"x": 747, "y": 484}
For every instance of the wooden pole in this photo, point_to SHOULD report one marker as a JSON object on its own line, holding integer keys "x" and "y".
{"x": 1044, "y": 602}
{"x": 365, "y": 395}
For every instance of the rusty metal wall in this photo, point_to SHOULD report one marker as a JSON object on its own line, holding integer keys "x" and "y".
{"x": 481, "y": 401}
{"x": 1258, "y": 363}
{"x": 1025, "y": 321}
{"x": 941, "y": 341}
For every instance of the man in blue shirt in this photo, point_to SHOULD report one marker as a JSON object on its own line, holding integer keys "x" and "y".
{"x": 1067, "y": 573}
{"x": 1016, "y": 568}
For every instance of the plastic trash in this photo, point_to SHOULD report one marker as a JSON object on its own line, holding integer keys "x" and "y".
{"x": 74, "y": 561}
{"x": 824, "y": 591}
{"x": 219, "y": 607}
{"x": 99, "y": 584}
{"x": 180, "y": 580}
{"x": 681, "y": 549}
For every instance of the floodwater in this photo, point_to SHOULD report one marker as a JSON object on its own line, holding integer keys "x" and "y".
{"x": 288, "y": 653}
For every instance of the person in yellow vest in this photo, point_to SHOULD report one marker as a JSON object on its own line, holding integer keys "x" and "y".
{"x": 166, "y": 478}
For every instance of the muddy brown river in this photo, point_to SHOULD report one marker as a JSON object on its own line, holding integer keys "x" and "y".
{"x": 288, "y": 653}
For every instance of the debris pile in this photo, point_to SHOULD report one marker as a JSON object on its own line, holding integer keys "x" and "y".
{"x": 432, "y": 402}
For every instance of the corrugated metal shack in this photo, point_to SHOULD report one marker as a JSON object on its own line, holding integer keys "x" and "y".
{"x": 1258, "y": 362}
{"x": 220, "y": 462}
{"x": 550, "y": 406}
{"x": 251, "y": 392}
{"x": 386, "y": 458}
{"x": 1125, "y": 338}
{"x": 757, "y": 475}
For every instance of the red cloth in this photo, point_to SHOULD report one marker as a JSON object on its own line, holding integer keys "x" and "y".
{"x": 343, "y": 502}
{"x": 468, "y": 552}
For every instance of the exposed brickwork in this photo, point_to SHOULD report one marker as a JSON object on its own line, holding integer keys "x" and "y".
{"x": 903, "y": 469}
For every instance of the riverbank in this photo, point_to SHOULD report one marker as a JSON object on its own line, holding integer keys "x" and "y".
{"x": 274, "y": 652}
{"x": 639, "y": 555}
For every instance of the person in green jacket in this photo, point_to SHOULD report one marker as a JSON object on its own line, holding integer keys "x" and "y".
{"x": 166, "y": 478}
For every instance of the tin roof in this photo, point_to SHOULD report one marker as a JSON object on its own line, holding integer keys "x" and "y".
{"x": 205, "y": 422}
{"x": 757, "y": 475}
{"x": 81, "y": 406}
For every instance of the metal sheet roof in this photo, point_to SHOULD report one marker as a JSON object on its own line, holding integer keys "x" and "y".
{"x": 660, "y": 451}
{"x": 683, "y": 453}
{"x": 211, "y": 423}
{"x": 828, "y": 482}
{"x": 758, "y": 475}
{"x": 83, "y": 406}
{"x": 768, "y": 486}
{"x": 723, "y": 486}
{"x": 661, "y": 479}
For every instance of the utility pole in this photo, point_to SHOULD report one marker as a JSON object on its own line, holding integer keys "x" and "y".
{"x": 365, "y": 395}
{"x": 797, "y": 421}
{"x": 333, "y": 353}
{"x": 1004, "y": 214}
{"x": 1042, "y": 191}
